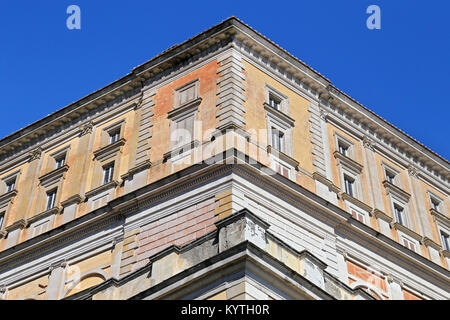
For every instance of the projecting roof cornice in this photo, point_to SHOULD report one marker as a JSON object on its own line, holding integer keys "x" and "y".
{"x": 231, "y": 32}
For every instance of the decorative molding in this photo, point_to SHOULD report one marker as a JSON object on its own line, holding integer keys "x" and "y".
{"x": 440, "y": 218}
{"x": 181, "y": 150}
{"x": 282, "y": 156}
{"x": 317, "y": 176}
{"x": 184, "y": 109}
{"x": 359, "y": 203}
{"x": 3, "y": 233}
{"x": 412, "y": 170}
{"x": 278, "y": 115}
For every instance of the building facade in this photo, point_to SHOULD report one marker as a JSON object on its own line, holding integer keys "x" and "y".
{"x": 223, "y": 168}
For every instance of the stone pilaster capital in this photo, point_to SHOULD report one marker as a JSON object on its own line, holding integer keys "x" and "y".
{"x": 86, "y": 128}
{"x": 412, "y": 170}
{"x": 35, "y": 154}
{"x": 369, "y": 143}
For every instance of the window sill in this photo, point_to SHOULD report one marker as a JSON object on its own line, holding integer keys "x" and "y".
{"x": 407, "y": 231}
{"x": 19, "y": 224}
{"x": 381, "y": 215}
{"x": 49, "y": 212}
{"x": 109, "y": 150}
{"x": 272, "y": 112}
{"x": 439, "y": 216}
{"x": 282, "y": 156}
{"x": 356, "y": 202}
{"x": 53, "y": 176}
{"x": 110, "y": 185}
{"x": 3, "y": 234}
{"x": 430, "y": 243}
{"x": 181, "y": 150}
{"x": 445, "y": 253}
{"x": 76, "y": 198}
{"x": 138, "y": 168}
{"x": 318, "y": 177}
{"x": 184, "y": 109}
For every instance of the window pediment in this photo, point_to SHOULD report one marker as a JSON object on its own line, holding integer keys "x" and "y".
{"x": 348, "y": 163}
{"x": 53, "y": 176}
{"x": 109, "y": 150}
{"x": 7, "y": 197}
{"x": 104, "y": 187}
{"x": 396, "y": 191}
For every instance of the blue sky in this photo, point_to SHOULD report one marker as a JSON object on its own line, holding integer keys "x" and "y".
{"x": 400, "y": 72}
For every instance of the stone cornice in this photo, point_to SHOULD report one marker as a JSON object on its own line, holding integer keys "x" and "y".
{"x": 110, "y": 185}
{"x": 430, "y": 243}
{"x": 393, "y": 189}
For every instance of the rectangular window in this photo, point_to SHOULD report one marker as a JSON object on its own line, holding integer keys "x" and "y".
{"x": 60, "y": 161}
{"x": 10, "y": 184}
{"x": 445, "y": 241}
{"x": 114, "y": 136}
{"x": 399, "y": 214}
{"x": 2, "y": 217}
{"x": 358, "y": 216}
{"x": 435, "y": 204}
{"x": 409, "y": 244}
{"x": 390, "y": 177}
{"x": 51, "y": 197}
{"x": 108, "y": 171}
{"x": 349, "y": 184}
{"x": 183, "y": 133}
{"x": 343, "y": 149}
{"x": 278, "y": 140}
{"x": 187, "y": 93}
{"x": 274, "y": 102}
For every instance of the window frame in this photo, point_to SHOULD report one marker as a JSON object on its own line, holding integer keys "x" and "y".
{"x": 109, "y": 174}
{"x": 277, "y": 95}
{"x": 52, "y": 201}
{"x": 183, "y": 88}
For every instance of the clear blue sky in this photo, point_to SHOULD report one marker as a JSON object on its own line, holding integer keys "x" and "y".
{"x": 400, "y": 72}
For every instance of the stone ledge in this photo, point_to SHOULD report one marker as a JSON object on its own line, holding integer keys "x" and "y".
{"x": 49, "y": 212}
{"x": 5, "y": 198}
{"x": 406, "y": 230}
{"x": 76, "y": 198}
{"x": 357, "y": 202}
{"x": 180, "y": 150}
{"x": 110, "y": 185}
{"x": 136, "y": 169}
{"x": 391, "y": 188}
{"x": 381, "y": 215}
